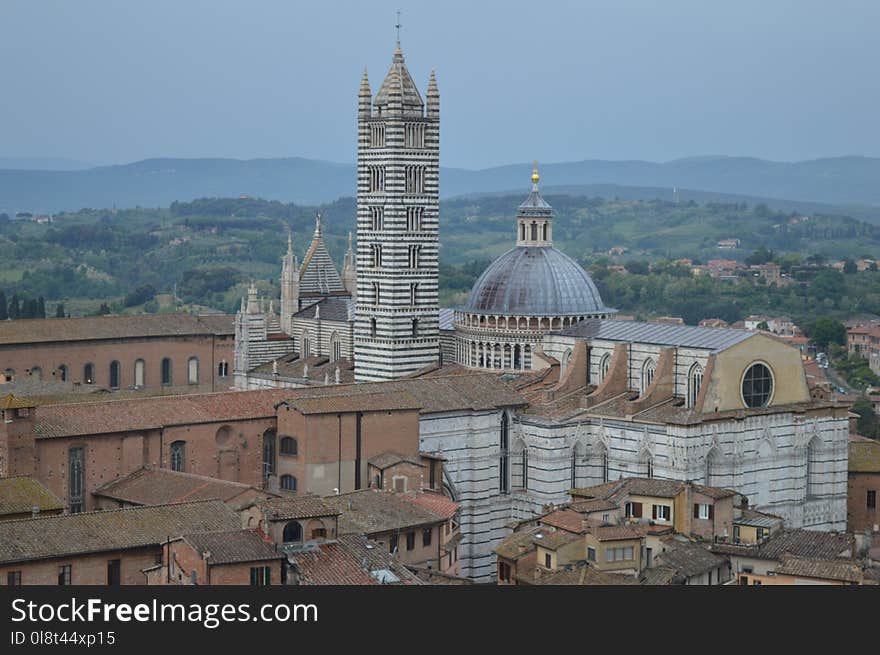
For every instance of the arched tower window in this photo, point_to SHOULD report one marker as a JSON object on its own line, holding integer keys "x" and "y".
{"x": 604, "y": 365}
{"x": 695, "y": 381}
{"x": 289, "y": 446}
{"x": 139, "y": 373}
{"x": 89, "y": 374}
{"x": 335, "y": 347}
{"x": 288, "y": 482}
{"x": 63, "y": 372}
{"x": 305, "y": 345}
{"x": 648, "y": 369}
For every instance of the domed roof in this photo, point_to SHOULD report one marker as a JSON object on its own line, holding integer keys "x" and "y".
{"x": 535, "y": 281}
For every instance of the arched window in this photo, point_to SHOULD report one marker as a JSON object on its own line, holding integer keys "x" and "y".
{"x": 269, "y": 462}
{"x": 305, "y": 346}
{"x": 544, "y": 231}
{"x": 713, "y": 466}
{"x": 139, "y": 373}
{"x": 604, "y": 365}
{"x": 178, "y": 456}
{"x": 63, "y": 372}
{"x": 757, "y": 385}
{"x": 114, "y": 374}
{"x": 166, "y": 371}
{"x": 335, "y": 347}
{"x": 373, "y": 327}
{"x": 223, "y": 436}
{"x": 504, "y": 473}
{"x": 292, "y": 532}
{"x": 814, "y": 477}
{"x": 36, "y": 372}
{"x": 223, "y": 368}
{"x": 288, "y": 482}
{"x": 648, "y": 463}
{"x": 534, "y": 231}
{"x": 524, "y": 474}
{"x": 288, "y": 446}
{"x": 648, "y": 369}
{"x": 573, "y": 464}
{"x": 415, "y": 328}
{"x": 566, "y": 360}
{"x": 192, "y": 370}
{"x": 89, "y": 374}
{"x": 695, "y": 381}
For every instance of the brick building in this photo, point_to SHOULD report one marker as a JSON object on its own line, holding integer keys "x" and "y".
{"x": 181, "y": 353}
{"x": 863, "y": 485}
{"x": 101, "y": 548}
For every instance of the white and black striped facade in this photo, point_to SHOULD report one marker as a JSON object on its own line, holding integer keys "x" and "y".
{"x": 396, "y": 324}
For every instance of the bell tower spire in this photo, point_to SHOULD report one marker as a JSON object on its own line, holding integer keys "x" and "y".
{"x": 534, "y": 217}
{"x": 397, "y": 309}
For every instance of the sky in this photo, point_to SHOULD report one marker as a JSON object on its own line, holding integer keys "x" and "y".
{"x": 111, "y": 82}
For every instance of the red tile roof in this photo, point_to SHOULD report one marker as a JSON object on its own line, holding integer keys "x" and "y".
{"x": 152, "y": 486}
{"x": 92, "y": 328}
{"x": 127, "y": 415}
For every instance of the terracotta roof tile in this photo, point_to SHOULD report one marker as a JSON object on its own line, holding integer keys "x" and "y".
{"x": 864, "y": 456}
{"x": 232, "y": 546}
{"x": 297, "y": 507}
{"x": 152, "y": 413}
{"x": 350, "y": 560}
{"x": 823, "y": 569}
{"x": 564, "y": 519}
{"x": 154, "y": 486}
{"x": 109, "y": 530}
{"x": 95, "y": 328}
{"x": 373, "y": 511}
{"x": 20, "y": 494}
{"x": 815, "y": 544}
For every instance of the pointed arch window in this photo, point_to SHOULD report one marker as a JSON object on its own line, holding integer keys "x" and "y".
{"x": 114, "y": 374}
{"x": 695, "y": 381}
{"x": 139, "y": 373}
{"x": 604, "y": 365}
{"x": 178, "y": 456}
{"x": 89, "y": 373}
{"x": 648, "y": 369}
{"x": 166, "y": 371}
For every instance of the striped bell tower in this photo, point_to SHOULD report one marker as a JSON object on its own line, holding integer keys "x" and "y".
{"x": 396, "y": 324}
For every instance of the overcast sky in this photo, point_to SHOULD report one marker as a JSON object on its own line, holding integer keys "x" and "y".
{"x": 110, "y": 82}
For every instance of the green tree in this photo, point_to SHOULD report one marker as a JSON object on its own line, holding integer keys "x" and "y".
{"x": 849, "y": 267}
{"x": 824, "y": 331}
{"x": 868, "y": 425}
{"x": 763, "y": 326}
{"x": 4, "y": 309}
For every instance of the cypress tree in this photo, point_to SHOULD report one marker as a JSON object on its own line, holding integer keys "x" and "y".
{"x": 4, "y": 310}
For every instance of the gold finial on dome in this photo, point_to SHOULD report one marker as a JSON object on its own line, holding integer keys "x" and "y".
{"x": 535, "y": 177}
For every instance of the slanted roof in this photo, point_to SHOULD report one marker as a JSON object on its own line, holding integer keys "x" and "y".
{"x": 388, "y": 459}
{"x": 287, "y": 508}
{"x": 564, "y": 519}
{"x": 318, "y": 274}
{"x": 814, "y": 544}
{"x": 21, "y": 494}
{"x": 374, "y": 511}
{"x": 232, "y": 546}
{"x": 475, "y": 391}
{"x": 688, "y": 558}
{"x": 662, "y": 334}
{"x": 864, "y": 456}
{"x": 349, "y": 560}
{"x": 132, "y": 414}
{"x": 109, "y": 530}
{"x": 330, "y": 308}
{"x": 330, "y": 403}
{"x": 157, "y": 486}
{"x": 398, "y": 85}
{"x": 821, "y": 569}
{"x": 10, "y": 401}
{"x": 578, "y": 573}
{"x": 97, "y": 328}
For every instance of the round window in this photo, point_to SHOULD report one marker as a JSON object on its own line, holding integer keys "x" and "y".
{"x": 757, "y": 386}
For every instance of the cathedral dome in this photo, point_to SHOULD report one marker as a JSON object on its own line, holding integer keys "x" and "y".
{"x": 535, "y": 281}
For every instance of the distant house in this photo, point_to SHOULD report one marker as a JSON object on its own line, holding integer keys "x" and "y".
{"x": 728, "y": 244}
{"x": 713, "y": 322}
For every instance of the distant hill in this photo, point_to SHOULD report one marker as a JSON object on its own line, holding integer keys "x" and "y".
{"x": 43, "y": 164}
{"x": 841, "y": 181}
